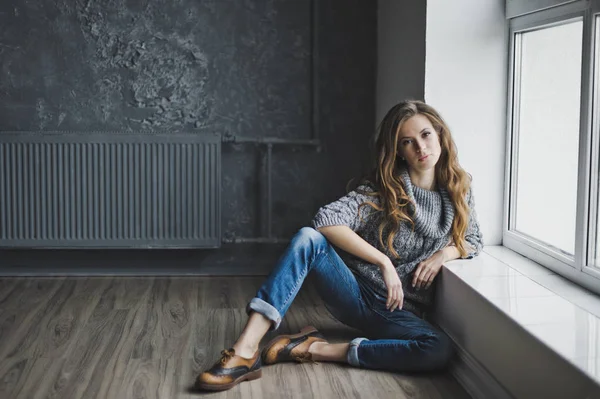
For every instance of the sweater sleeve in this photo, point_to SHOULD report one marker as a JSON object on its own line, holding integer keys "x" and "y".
{"x": 344, "y": 211}
{"x": 473, "y": 235}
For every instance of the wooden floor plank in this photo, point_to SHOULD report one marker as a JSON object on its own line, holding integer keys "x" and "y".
{"x": 50, "y": 337}
{"x": 166, "y": 347}
{"x": 150, "y": 337}
{"x": 131, "y": 291}
{"x": 11, "y": 288}
{"x": 63, "y": 326}
{"x": 85, "y": 369}
{"x": 22, "y": 329}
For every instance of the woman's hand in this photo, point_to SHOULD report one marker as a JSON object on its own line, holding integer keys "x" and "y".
{"x": 395, "y": 298}
{"x": 427, "y": 270}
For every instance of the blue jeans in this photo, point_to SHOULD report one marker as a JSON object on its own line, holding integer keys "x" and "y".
{"x": 398, "y": 341}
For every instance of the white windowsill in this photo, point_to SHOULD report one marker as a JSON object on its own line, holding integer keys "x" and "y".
{"x": 559, "y": 313}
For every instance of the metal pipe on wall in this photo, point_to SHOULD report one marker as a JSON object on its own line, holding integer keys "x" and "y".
{"x": 314, "y": 141}
{"x": 228, "y": 138}
{"x": 268, "y": 218}
{"x": 269, "y": 190}
{"x": 314, "y": 72}
{"x": 255, "y": 240}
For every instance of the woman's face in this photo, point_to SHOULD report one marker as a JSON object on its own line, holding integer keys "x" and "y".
{"x": 419, "y": 143}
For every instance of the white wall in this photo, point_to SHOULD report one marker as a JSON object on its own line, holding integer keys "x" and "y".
{"x": 465, "y": 80}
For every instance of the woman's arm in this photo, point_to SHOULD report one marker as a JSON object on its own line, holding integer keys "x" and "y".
{"x": 450, "y": 253}
{"x": 473, "y": 235}
{"x": 340, "y": 220}
{"x": 346, "y": 239}
{"x": 427, "y": 270}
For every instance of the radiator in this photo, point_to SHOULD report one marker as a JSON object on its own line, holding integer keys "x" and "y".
{"x": 109, "y": 190}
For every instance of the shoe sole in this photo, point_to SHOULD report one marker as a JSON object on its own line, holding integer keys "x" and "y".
{"x": 253, "y": 375}
{"x": 306, "y": 330}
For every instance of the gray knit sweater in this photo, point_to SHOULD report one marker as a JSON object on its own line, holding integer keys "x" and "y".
{"x": 433, "y": 231}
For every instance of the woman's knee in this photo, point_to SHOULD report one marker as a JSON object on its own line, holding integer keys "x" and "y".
{"x": 307, "y": 236}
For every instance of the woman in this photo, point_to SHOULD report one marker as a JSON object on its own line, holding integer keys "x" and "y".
{"x": 414, "y": 212}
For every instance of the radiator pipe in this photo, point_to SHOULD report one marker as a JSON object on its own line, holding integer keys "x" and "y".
{"x": 255, "y": 240}
{"x": 269, "y": 141}
{"x": 229, "y": 138}
{"x": 269, "y": 191}
{"x": 314, "y": 71}
{"x": 314, "y": 141}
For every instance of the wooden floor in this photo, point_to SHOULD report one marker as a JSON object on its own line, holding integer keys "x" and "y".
{"x": 128, "y": 337}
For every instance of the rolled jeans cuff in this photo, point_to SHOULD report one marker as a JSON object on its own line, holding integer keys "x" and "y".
{"x": 352, "y": 355}
{"x": 266, "y": 309}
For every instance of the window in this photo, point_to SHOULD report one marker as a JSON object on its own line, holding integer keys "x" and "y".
{"x": 553, "y": 170}
{"x": 596, "y": 143}
{"x": 549, "y": 83}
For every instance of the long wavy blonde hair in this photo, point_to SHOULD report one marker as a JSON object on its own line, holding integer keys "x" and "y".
{"x": 388, "y": 186}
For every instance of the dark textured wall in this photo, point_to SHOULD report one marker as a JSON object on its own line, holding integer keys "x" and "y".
{"x": 401, "y": 37}
{"x": 229, "y": 65}
{"x": 235, "y": 67}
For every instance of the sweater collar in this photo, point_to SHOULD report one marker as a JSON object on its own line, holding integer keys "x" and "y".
{"x": 434, "y": 212}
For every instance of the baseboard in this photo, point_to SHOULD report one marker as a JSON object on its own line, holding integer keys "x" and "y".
{"x": 474, "y": 378}
{"x": 230, "y": 260}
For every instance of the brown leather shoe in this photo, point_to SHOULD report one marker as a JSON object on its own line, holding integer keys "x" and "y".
{"x": 229, "y": 371}
{"x": 288, "y": 348}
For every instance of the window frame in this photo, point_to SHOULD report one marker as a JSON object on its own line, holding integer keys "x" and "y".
{"x": 578, "y": 268}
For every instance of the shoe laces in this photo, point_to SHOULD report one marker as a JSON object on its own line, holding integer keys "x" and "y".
{"x": 226, "y": 355}
{"x": 304, "y": 357}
